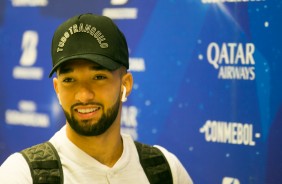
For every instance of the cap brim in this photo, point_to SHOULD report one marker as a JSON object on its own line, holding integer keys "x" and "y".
{"x": 99, "y": 59}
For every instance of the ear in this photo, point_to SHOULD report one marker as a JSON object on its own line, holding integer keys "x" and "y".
{"x": 55, "y": 85}
{"x": 127, "y": 82}
{"x": 56, "y": 88}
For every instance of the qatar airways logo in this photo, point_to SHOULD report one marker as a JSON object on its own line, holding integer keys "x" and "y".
{"x": 27, "y": 69}
{"x": 232, "y": 60}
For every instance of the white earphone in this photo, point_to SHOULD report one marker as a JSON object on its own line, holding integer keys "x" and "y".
{"x": 123, "y": 98}
{"x": 59, "y": 99}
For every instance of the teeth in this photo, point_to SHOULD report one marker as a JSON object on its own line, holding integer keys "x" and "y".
{"x": 84, "y": 111}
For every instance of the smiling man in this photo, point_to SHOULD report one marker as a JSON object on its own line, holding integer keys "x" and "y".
{"x": 90, "y": 58}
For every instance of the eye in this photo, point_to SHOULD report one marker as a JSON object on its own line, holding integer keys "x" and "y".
{"x": 68, "y": 79}
{"x": 99, "y": 77}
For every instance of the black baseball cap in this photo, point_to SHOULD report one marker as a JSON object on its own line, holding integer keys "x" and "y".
{"x": 91, "y": 37}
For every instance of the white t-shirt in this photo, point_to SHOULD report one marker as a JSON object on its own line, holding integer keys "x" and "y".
{"x": 80, "y": 168}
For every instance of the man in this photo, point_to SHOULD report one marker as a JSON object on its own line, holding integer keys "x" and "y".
{"x": 90, "y": 58}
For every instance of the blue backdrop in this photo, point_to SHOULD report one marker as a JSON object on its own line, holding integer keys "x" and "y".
{"x": 207, "y": 79}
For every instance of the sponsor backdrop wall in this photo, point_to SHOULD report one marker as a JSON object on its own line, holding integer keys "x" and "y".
{"x": 207, "y": 79}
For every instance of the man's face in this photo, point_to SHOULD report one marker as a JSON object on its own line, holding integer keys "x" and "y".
{"x": 90, "y": 96}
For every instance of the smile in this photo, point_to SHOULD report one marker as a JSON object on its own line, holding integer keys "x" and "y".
{"x": 87, "y": 110}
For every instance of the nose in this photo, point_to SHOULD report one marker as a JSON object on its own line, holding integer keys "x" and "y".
{"x": 84, "y": 94}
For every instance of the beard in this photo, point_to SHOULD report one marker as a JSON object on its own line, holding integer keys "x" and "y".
{"x": 86, "y": 127}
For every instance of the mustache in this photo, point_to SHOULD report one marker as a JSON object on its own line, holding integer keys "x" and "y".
{"x": 86, "y": 104}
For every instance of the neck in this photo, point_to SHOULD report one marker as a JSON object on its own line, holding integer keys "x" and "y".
{"x": 106, "y": 148}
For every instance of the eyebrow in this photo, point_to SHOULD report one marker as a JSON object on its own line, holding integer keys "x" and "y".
{"x": 68, "y": 69}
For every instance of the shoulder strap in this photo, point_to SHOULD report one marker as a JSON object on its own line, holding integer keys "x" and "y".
{"x": 44, "y": 163}
{"x": 154, "y": 164}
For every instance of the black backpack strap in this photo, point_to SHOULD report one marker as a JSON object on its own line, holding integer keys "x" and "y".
{"x": 44, "y": 163}
{"x": 154, "y": 164}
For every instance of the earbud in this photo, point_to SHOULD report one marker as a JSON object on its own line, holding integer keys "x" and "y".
{"x": 123, "y": 98}
{"x": 59, "y": 99}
